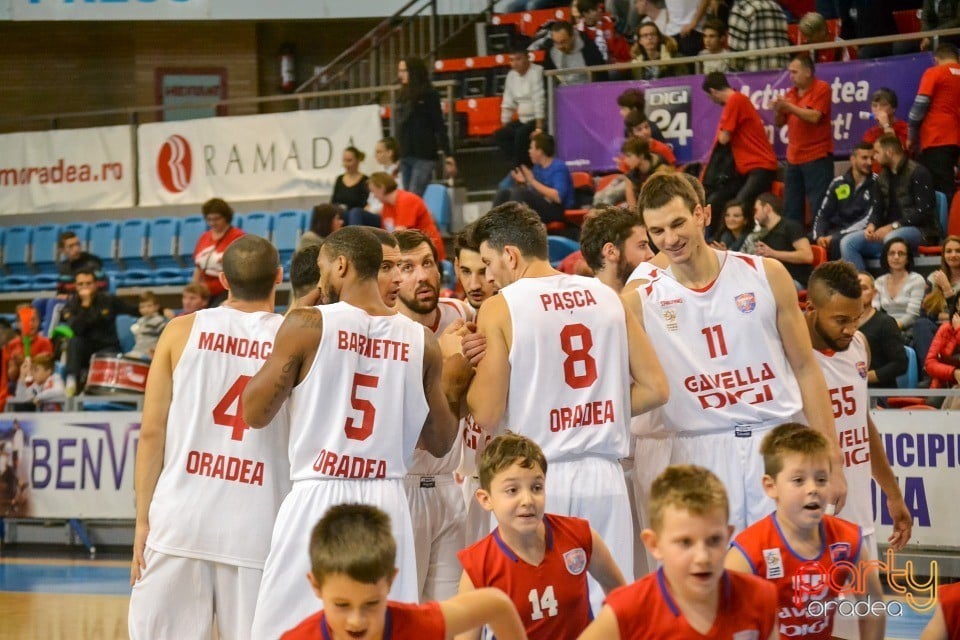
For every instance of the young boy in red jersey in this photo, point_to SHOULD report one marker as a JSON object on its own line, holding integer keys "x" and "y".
{"x": 353, "y": 554}
{"x": 691, "y": 596}
{"x": 540, "y": 560}
{"x": 797, "y": 547}
{"x": 945, "y": 623}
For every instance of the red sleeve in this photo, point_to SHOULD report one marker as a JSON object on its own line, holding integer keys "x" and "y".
{"x": 663, "y": 150}
{"x": 942, "y": 340}
{"x": 471, "y": 559}
{"x": 730, "y": 115}
{"x": 928, "y": 82}
{"x": 820, "y": 98}
{"x": 308, "y": 629}
{"x": 420, "y": 621}
{"x": 410, "y": 208}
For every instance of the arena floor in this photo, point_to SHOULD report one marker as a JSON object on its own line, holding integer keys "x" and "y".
{"x": 78, "y": 599}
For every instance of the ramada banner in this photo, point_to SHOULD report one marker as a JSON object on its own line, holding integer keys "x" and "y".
{"x": 590, "y": 129}
{"x": 252, "y": 157}
{"x": 66, "y": 169}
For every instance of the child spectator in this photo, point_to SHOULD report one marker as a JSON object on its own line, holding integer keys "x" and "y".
{"x": 799, "y": 537}
{"x": 147, "y": 329}
{"x": 945, "y": 623}
{"x": 353, "y": 553}
{"x": 539, "y": 560}
{"x": 39, "y": 386}
{"x": 16, "y": 350}
{"x": 195, "y": 296}
{"x": 714, "y": 32}
{"x": 642, "y": 164}
{"x": 691, "y": 595}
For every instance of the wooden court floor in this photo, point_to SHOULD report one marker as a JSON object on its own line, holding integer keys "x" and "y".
{"x": 79, "y": 599}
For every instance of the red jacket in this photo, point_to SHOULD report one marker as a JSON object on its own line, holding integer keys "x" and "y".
{"x": 618, "y": 49}
{"x": 944, "y": 346}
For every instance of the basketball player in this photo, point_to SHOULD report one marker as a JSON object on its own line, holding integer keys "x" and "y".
{"x": 364, "y": 385}
{"x": 473, "y": 278}
{"x": 470, "y": 270}
{"x": 389, "y": 277}
{"x": 832, "y": 315}
{"x": 614, "y": 243}
{"x": 740, "y": 360}
{"x": 208, "y": 488}
{"x": 304, "y": 276}
{"x": 566, "y": 366}
{"x": 436, "y": 503}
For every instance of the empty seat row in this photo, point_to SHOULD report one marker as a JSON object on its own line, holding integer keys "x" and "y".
{"x": 135, "y": 252}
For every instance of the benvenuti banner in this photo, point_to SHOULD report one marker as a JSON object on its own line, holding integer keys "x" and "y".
{"x": 252, "y": 157}
{"x": 66, "y": 169}
{"x": 590, "y": 129}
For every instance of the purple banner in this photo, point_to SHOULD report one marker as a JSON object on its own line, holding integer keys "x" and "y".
{"x": 590, "y": 130}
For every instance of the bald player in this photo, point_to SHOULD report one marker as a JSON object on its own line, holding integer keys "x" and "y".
{"x": 566, "y": 366}
{"x": 364, "y": 385}
{"x": 207, "y": 487}
{"x": 738, "y": 355}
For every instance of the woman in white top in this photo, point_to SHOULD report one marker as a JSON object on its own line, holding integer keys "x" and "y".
{"x": 899, "y": 289}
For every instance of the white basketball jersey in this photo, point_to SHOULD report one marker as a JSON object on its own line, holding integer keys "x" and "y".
{"x": 570, "y": 375}
{"x": 425, "y": 464}
{"x": 222, "y": 482}
{"x": 720, "y": 348}
{"x": 846, "y": 376}
{"x": 359, "y": 412}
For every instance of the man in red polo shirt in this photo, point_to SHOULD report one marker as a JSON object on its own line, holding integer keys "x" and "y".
{"x": 805, "y": 109}
{"x": 935, "y": 119}
{"x": 753, "y": 157}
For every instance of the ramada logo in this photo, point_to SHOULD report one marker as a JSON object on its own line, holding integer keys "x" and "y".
{"x": 175, "y": 164}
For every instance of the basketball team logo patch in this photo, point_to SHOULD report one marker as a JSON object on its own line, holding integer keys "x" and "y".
{"x": 746, "y": 302}
{"x": 862, "y": 369}
{"x": 839, "y": 551}
{"x": 575, "y": 560}
{"x": 774, "y": 562}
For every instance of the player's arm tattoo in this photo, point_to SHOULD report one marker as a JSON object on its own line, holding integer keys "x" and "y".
{"x": 282, "y": 387}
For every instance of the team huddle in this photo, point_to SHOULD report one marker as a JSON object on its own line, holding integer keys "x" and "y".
{"x": 681, "y": 399}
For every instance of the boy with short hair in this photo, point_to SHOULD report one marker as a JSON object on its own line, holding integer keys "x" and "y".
{"x": 148, "y": 327}
{"x": 642, "y": 163}
{"x": 353, "y": 557}
{"x": 540, "y": 560}
{"x": 691, "y": 595}
{"x": 39, "y": 385}
{"x": 713, "y": 33}
{"x": 798, "y": 544}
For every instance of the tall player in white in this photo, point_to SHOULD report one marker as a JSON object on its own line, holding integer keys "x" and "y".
{"x": 737, "y": 354}
{"x": 364, "y": 384}
{"x": 832, "y": 315}
{"x": 566, "y": 366}
{"x": 207, "y": 487}
{"x": 436, "y": 503}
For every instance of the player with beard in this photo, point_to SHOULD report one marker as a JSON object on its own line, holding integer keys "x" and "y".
{"x": 614, "y": 242}
{"x": 389, "y": 277}
{"x": 832, "y": 315}
{"x": 365, "y": 386}
{"x": 478, "y": 287}
{"x": 436, "y": 503}
{"x": 471, "y": 271}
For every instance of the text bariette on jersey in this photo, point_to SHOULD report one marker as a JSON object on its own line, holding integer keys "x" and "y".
{"x": 378, "y": 348}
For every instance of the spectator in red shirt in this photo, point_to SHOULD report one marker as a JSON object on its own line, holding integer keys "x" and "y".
{"x": 208, "y": 254}
{"x": 403, "y": 209}
{"x": 805, "y": 109}
{"x": 935, "y": 119}
{"x": 883, "y": 107}
{"x": 753, "y": 157}
{"x": 601, "y": 28}
{"x": 639, "y": 127}
{"x": 943, "y": 360}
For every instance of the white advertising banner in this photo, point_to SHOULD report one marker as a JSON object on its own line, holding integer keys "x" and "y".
{"x": 252, "y": 157}
{"x": 923, "y": 448}
{"x": 217, "y": 9}
{"x": 68, "y": 465}
{"x": 66, "y": 169}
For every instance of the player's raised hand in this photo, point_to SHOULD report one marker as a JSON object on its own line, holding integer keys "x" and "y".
{"x": 902, "y": 523}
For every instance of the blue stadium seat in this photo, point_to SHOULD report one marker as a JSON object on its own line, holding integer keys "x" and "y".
{"x": 259, "y": 224}
{"x": 911, "y": 378}
{"x": 191, "y": 228}
{"x": 135, "y": 278}
{"x": 103, "y": 243}
{"x": 45, "y": 250}
{"x": 438, "y": 203}
{"x": 44, "y": 282}
{"x": 943, "y": 211}
{"x": 132, "y": 244}
{"x": 287, "y": 227}
{"x": 560, "y": 247}
{"x": 124, "y": 322}
{"x": 162, "y": 242}
{"x": 16, "y": 251}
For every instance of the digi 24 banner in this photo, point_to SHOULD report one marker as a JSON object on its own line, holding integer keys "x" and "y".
{"x": 590, "y": 129}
